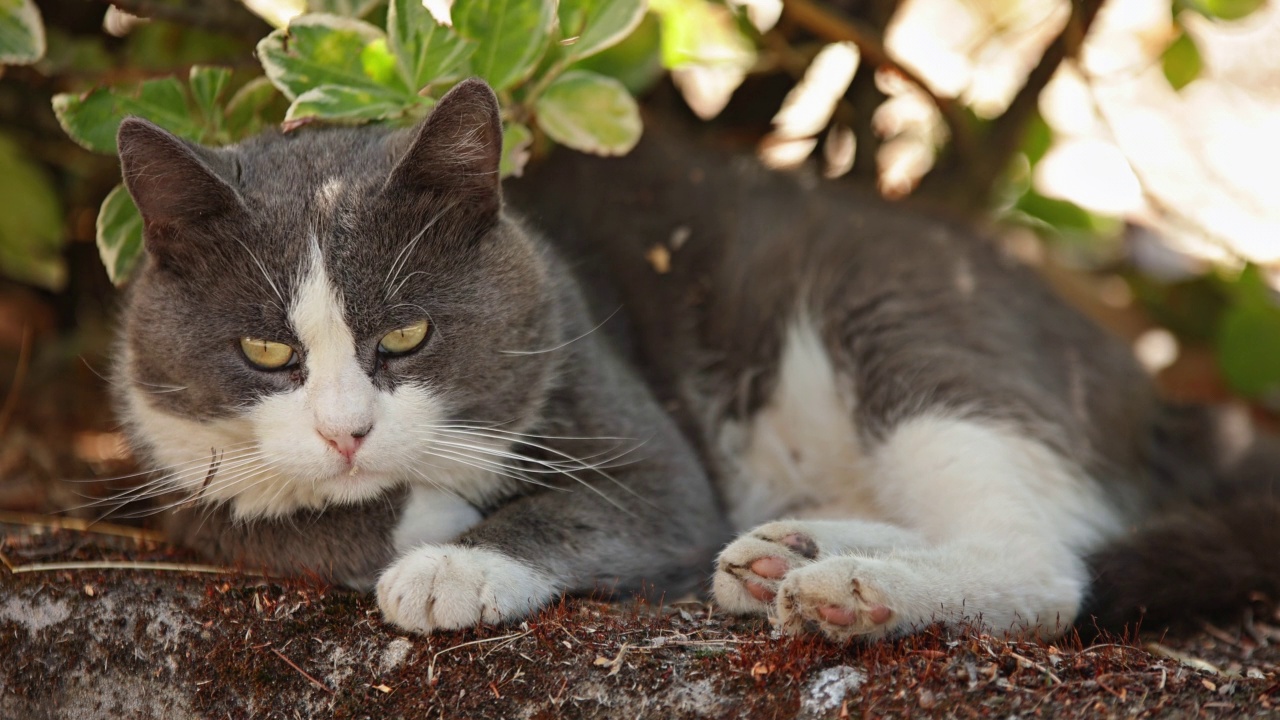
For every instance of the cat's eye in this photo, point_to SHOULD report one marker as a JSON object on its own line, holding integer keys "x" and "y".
{"x": 267, "y": 355}
{"x": 402, "y": 340}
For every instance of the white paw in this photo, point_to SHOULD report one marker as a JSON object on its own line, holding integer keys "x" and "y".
{"x": 846, "y": 597}
{"x": 750, "y": 570}
{"x": 446, "y": 587}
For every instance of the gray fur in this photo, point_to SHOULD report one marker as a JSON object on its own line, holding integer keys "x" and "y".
{"x": 922, "y": 312}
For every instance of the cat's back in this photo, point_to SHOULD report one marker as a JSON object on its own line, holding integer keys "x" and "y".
{"x": 717, "y": 260}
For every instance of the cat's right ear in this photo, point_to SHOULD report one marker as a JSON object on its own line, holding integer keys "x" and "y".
{"x": 171, "y": 181}
{"x": 456, "y": 151}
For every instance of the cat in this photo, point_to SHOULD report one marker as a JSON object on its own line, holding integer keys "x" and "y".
{"x": 342, "y": 357}
{"x": 905, "y": 425}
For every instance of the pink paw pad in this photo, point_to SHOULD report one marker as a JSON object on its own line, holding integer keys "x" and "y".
{"x": 878, "y": 614}
{"x": 770, "y": 567}
{"x": 759, "y": 592}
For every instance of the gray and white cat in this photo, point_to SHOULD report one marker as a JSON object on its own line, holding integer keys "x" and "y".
{"x": 905, "y": 426}
{"x": 344, "y": 359}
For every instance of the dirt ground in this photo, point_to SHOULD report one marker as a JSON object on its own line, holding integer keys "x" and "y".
{"x": 84, "y": 635}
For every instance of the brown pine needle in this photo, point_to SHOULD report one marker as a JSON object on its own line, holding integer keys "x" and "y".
{"x": 9, "y": 517}
{"x": 127, "y": 565}
{"x": 304, "y": 673}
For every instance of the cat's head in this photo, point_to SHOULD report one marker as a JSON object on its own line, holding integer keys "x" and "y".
{"x": 327, "y": 314}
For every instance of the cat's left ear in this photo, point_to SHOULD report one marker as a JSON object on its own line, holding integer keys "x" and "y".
{"x": 175, "y": 184}
{"x": 456, "y": 150}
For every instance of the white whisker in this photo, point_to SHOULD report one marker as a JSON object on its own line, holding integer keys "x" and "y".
{"x": 566, "y": 343}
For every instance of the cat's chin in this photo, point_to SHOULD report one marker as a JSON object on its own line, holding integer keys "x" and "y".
{"x": 310, "y": 494}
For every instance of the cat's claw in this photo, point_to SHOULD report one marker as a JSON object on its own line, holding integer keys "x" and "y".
{"x": 446, "y": 587}
{"x": 841, "y": 597}
{"x": 750, "y": 570}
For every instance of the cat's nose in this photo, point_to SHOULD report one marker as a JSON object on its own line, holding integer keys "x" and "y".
{"x": 346, "y": 442}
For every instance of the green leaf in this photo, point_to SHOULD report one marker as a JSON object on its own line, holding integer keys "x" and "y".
{"x": 247, "y": 110}
{"x": 1248, "y": 345}
{"x": 1250, "y": 287}
{"x": 1037, "y": 140}
{"x": 1060, "y": 215}
{"x": 344, "y": 104}
{"x": 510, "y": 36}
{"x": 119, "y": 234}
{"x": 515, "y": 149}
{"x": 428, "y": 53}
{"x": 591, "y": 113}
{"x": 1221, "y": 9}
{"x": 21, "y": 32}
{"x": 92, "y": 119}
{"x": 207, "y": 84}
{"x": 636, "y": 61}
{"x": 698, "y": 33}
{"x": 589, "y": 26}
{"x": 31, "y": 224}
{"x": 319, "y": 50}
{"x": 1181, "y": 61}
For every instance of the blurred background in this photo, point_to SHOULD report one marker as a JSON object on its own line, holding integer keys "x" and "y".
{"x": 1126, "y": 148}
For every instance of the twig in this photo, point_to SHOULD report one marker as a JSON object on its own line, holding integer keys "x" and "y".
{"x": 832, "y": 25}
{"x": 1192, "y": 662}
{"x": 128, "y": 565}
{"x": 1120, "y": 695}
{"x": 19, "y": 377}
{"x": 1220, "y": 634}
{"x": 431, "y": 666}
{"x": 8, "y": 517}
{"x": 1251, "y": 629}
{"x": 1032, "y": 663}
{"x": 304, "y": 673}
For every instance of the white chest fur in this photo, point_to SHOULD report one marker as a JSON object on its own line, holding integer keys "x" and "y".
{"x": 800, "y": 455}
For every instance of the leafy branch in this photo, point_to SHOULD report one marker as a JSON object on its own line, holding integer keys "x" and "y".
{"x": 341, "y": 69}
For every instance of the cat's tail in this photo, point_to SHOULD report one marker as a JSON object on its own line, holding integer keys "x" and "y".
{"x": 1208, "y": 555}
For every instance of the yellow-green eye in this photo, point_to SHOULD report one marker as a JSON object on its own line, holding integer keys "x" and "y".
{"x": 398, "y": 342}
{"x": 266, "y": 354}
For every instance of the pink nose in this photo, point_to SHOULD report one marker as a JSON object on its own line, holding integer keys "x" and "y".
{"x": 346, "y": 443}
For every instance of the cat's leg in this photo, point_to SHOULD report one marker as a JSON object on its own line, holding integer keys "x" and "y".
{"x": 537, "y": 547}
{"x": 1005, "y": 520}
{"x": 436, "y": 585}
{"x": 1028, "y": 590}
{"x": 647, "y": 523}
{"x": 750, "y": 569}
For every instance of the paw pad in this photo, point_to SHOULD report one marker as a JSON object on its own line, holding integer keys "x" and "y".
{"x": 801, "y": 544}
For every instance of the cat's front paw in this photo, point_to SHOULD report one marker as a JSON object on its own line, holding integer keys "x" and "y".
{"x": 446, "y": 587}
{"x": 750, "y": 569}
{"x": 844, "y": 598}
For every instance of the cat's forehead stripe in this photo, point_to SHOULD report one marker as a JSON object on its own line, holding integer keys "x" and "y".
{"x": 328, "y": 194}
{"x": 316, "y": 314}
